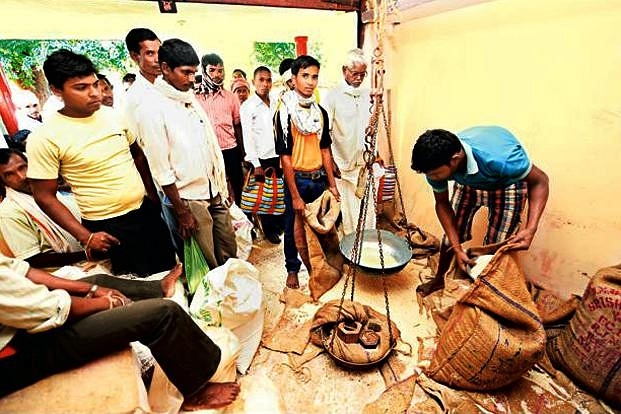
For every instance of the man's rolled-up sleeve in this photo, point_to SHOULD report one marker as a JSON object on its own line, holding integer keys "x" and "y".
{"x": 152, "y": 137}
{"x": 27, "y": 305}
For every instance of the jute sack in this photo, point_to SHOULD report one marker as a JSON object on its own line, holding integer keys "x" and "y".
{"x": 494, "y": 334}
{"x": 552, "y": 309}
{"x": 353, "y": 352}
{"x": 589, "y": 349}
{"x": 422, "y": 243}
{"x": 318, "y": 244}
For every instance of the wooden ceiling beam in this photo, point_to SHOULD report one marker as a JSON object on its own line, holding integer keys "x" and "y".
{"x": 339, "y": 5}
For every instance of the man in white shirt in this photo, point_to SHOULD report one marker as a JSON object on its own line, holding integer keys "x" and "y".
{"x": 28, "y": 110}
{"x": 257, "y": 115}
{"x": 183, "y": 153}
{"x": 348, "y": 106}
{"x": 142, "y": 45}
{"x": 49, "y": 325}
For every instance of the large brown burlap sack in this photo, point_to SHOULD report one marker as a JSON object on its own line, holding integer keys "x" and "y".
{"x": 552, "y": 309}
{"x": 589, "y": 349}
{"x": 318, "y": 244}
{"x": 494, "y": 334}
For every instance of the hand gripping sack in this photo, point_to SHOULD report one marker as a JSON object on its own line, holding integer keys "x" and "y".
{"x": 589, "y": 349}
{"x": 266, "y": 197}
{"x": 494, "y": 334}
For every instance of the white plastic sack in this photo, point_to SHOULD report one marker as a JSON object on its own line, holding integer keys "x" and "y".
{"x": 231, "y": 296}
{"x": 249, "y": 335}
{"x": 243, "y": 231}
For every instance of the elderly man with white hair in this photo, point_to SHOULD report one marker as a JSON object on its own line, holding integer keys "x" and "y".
{"x": 28, "y": 110}
{"x": 348, "y": 106}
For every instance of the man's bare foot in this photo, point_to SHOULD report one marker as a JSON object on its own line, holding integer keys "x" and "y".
{"x": 428, "y": 288}
{"x": 292, "y": 280}
{"x": 168, "y": 282}
{"x": 213, "y": 395}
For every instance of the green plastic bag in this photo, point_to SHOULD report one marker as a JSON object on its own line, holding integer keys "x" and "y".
{"x": 195, "y": 264}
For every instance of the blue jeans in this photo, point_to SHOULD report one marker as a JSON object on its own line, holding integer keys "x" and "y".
{"x": 168, "y": 214}
{"x": 309, "y": 190}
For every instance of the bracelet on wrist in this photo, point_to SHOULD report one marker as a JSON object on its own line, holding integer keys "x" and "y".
{"x": 88, "y": 241}
{"x": 92, "y": 291}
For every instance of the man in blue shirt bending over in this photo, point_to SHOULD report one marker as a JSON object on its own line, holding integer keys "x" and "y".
{"x": 490, "y": 168}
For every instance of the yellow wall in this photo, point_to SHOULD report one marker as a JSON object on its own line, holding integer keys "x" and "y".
{"x": 227, "y": 30}
{"x": 550, "y": 71}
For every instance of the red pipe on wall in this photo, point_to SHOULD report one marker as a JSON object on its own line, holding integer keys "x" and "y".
{"x": 300, "y": 45}
{"x": 7, "y": 109}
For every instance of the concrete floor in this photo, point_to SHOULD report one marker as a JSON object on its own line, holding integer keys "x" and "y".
{"x": 325, "y": 387}
{"x": 273, "y": 386}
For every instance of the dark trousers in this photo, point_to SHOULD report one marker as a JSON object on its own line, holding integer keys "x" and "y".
{"x": 270, "y": 223}
{"x": 145, "y": 246}
{"x": 187, "y": 356}
{"x": 133, "y": 289}
{"x": 233, "y": 168}
{"x": 309, "y": 190}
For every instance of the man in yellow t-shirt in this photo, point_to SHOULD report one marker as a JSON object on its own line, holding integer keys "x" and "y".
{"x": 303, "y": 143}
{"x": 94, "y": 152}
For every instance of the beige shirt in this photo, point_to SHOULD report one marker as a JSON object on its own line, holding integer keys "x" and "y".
{"x": 93, "y": 155}
{"x": 348, "y": 110}
{"x": 27, "y": 305}
{"x": 22, "y": 234}
{"x": 136, "y": 94}
{"x": 174, "y": 138}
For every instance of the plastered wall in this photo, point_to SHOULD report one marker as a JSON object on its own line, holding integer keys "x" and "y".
{"x": 227, "y": 30}
{"x": 550, "y": 71}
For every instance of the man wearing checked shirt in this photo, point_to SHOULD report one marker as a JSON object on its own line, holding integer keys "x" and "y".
{"x": 490, "y": 168}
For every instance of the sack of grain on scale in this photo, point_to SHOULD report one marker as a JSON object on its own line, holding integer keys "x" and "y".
{"x": 588, "y": 350}
{"x": 494, "y": 334}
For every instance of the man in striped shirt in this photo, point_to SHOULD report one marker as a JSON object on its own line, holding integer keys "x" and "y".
{"x": 222, "y": 108}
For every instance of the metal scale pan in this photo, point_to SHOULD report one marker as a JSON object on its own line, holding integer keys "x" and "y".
{"x": 397, "y": 252}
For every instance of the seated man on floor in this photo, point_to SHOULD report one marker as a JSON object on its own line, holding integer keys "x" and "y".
{"x": 48, "y": 325}
{"x": 28, "y": 232}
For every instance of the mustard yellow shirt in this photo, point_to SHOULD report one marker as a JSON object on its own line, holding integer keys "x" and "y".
{"x": 92, "y": 154}
{"x": 305, "y": 154}
{"x": 305, "y": 150}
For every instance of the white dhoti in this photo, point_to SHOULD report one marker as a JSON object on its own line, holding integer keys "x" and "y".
{"x": 350, "y": 204}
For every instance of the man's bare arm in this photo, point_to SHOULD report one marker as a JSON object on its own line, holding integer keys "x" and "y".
{"x": 44, "y": 193}
{"x": 142, "y": 165}
{"x": 538, "y": 191}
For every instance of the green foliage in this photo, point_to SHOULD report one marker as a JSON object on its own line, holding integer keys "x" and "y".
{"x": 23, "y": 59}
{"x": 270, "y": 54}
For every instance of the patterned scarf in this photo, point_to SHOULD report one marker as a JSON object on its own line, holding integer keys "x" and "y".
{"x": 215, "y": 168}
{"x": 305, "y": 113}
{"x": 208, "y": 86}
